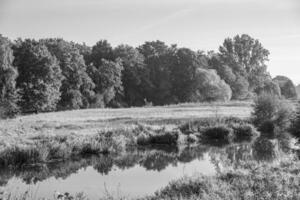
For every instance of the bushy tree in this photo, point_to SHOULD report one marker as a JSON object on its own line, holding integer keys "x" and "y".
{"x": 88, "y": 85}
{"x": 238, "y": 83}
{"x": 101, "y": 50}
{"x": 85, "y": 51}
{"x": 246, "y": 56}
{"x": 133, "y": 75}
{"x": 39, "y": 77}
{"x": 8, "y": 75}
{"x": 77, "y": 86}
{"x": 240, "y": 88}
{"x": 106, "y": 72}
{"x": 258, "y": 77}
{"x": 269, "y": 113}
{"x": 183, "y": 74}
{"x": 108, "y": 81}
{"x": 269, "y": 87}
{"x": 158, "y": 60}
{"x": 288, "y": 89}
{"x": 208, "y": 86}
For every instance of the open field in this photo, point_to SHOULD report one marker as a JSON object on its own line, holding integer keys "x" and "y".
{"x": 45, "y": 138}
{"x": 90, "y": 121}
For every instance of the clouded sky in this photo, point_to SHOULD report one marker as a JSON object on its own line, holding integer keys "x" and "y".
{"x": 197, "y": 24}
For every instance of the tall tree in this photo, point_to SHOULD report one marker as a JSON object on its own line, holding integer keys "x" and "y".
{"x": 158, "y": 60}
{"x": 107, "y": 79}
{"x": 106, "y": 72}
{"x": 77, "y": 86}
{"x": 39, "y": 77}
{"x": 101, "y": 50}
{"x": 183, "y": 74}
{"x": 8, "y": 75}
{"x": 246, "y": 56}
{"x": 134, "y": 74}
{"x": 85, "y": 51}
{"x": 238, "y": 83}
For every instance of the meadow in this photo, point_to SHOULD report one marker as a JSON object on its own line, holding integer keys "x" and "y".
{"x": 90, "y": 121}
{"x": 46, "y": 138}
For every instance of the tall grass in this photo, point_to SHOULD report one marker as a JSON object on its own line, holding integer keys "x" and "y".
{"x": 47, "y": 148}
{"x": 279, "y": 182}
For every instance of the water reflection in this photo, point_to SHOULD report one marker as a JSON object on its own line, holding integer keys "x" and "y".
{"x": 142, "y": 169}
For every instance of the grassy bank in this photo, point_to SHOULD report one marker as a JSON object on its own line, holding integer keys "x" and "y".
{"x": 277, "y": 182}
{"x": 48, "y": 148}
{"x": 50, "y": 136}
{"x": 62, "y": 138}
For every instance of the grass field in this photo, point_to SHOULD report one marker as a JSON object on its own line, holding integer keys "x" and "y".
{"x": 26, "y": 139}
{"x": 30, "y": 138}
{"x": 90, "y": 121}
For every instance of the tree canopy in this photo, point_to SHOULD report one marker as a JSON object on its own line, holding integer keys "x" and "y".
{"x": 287, "y": 87}
{"x": 246, "y": 56}
{"x": 76, "y": 84}
{"x": 54, "y": 74}
{"x": 39, "y": 79}
{"x": 8, "y": 75}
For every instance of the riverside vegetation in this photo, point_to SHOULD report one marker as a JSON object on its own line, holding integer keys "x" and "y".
{"x": 271, "y": 127}
{"x": 212, "y": 91}
{"x": 38, "y": 147}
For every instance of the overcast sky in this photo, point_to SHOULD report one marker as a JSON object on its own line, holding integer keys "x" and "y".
{"x": 197, "y": 24}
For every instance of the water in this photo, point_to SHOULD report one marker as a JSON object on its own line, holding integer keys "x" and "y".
{"x": 134, "y": 173}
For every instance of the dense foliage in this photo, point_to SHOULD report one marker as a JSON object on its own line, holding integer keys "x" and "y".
{"x": 8, "y": 75}
{"x": 295, "y": 124}
{"x": 271, "y": 115}
{"x": 77, "y": 86}
{"x": 288, "y": 89}
{"x": 39, "y": 77}
{"x": 54, "y": 74}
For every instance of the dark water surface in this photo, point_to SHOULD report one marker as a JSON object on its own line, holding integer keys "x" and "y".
{"x": 133, "y": 173}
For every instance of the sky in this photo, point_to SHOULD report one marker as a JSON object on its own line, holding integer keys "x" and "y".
{"x": 196, "y": 24}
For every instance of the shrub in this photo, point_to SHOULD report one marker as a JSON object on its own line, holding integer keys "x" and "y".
{"x": 8, "y": 109}
{"x": 219, "y": 134}
{"x": 200, "y": 124}
{"x": 265, "y": 108}
{"x": 269, "y": 110}
{"x": 264, "y": 149}
{"x": 284, "y": 115}
{"x": 148, "y": 137}
{"x": 96, "y": 144}
{"x": 169, "y": 138}
{"x": 143, "y": 139}
{"x": 267, "y": 129}
{"x": 244, "y": 132}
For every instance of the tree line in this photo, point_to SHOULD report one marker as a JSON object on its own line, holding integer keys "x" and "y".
{"x": 53, "y": 74}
